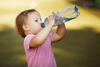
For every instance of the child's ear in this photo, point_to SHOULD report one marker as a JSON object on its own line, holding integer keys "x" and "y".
{"x": 26, "y": 27}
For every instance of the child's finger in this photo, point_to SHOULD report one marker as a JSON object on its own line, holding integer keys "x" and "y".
{"x": 49, "y": 16}
{"x": 54, "y": 14}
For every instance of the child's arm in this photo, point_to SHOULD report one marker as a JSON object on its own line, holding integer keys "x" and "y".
{"x": 60, "y": 33}
{"x": 43, "y": 34}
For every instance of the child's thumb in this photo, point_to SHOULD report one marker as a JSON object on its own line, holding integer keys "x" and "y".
{"x": 54, "y": 13}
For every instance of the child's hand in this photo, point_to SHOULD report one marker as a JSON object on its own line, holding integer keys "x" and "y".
{"x": 51, "y": 19}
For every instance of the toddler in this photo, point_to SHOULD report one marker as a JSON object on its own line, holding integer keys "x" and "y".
{"x": 38, "y": 40}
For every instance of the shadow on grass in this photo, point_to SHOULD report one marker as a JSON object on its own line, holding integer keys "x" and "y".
{"x": 11, "y": 49}
{"x": 80, "y": 48}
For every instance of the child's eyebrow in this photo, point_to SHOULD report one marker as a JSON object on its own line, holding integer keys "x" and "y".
{"x": 37, "y": 18}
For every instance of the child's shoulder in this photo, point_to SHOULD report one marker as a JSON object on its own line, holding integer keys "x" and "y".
{"x": 27, "y": 40}
{"x": 29, "y": 36}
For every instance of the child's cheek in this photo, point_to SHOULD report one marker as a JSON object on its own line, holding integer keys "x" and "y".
{"x": 36, "y": 28}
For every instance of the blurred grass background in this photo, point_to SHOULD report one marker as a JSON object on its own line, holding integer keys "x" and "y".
{"x": 80, "y": 47}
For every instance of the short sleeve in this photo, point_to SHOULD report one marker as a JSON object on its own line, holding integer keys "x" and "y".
{"x": 27, "y": 41}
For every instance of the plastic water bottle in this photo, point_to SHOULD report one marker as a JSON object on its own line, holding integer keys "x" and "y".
{"x": 64, "y": 15}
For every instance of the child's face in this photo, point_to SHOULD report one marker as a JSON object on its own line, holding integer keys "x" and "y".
{"x": 34, "y": 22}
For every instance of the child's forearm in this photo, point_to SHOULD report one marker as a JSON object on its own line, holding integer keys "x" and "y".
{"x": 43, "y": 34}
{"x": 40, "y": 38}
{"x": 61, "y": 30}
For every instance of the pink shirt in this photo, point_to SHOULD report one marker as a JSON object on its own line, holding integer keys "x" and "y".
{"x": 41, "y": 56}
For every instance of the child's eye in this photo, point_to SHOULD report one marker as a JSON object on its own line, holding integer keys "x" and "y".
{"x": 36, "y": 20}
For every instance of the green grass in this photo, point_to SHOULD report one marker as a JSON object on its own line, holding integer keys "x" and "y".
{"x": 11, "y": 49}
{"x": 80, "y": 48}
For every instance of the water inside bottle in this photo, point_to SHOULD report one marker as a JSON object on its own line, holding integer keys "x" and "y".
{"x": 69, "y": 12}
{"x": 65, "y": 15}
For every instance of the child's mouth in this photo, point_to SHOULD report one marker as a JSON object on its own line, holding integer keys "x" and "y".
{"x": 42, "y": 25}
